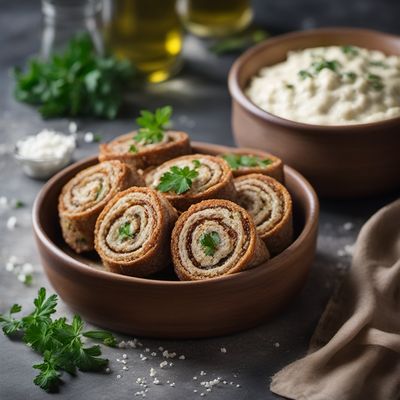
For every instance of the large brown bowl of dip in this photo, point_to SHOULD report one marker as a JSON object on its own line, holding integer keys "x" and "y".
{"x": 343, "y": 160}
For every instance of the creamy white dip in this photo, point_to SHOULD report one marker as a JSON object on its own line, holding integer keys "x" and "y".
{"x": 336, "y": 85}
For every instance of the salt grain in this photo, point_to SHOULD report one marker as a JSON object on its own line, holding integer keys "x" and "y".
{"x": 11, "y": 223}
{"x": 89, "y": 137}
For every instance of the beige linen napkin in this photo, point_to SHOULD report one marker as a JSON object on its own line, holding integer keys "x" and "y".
{"x": 355, "y": 351}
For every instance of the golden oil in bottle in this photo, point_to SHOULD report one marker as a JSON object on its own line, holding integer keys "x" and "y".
{"x": 149, "y": 34}
{"x": 213, "y": 18}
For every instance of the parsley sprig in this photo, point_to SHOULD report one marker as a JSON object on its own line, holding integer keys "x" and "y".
{"x": 210, "y": 242}
{"x": 153, "y": 125}
{"x": 236, "y": 161}
{"x": 74, "y": 82}
{"x": 177, "y": 179}
{"x": 61, "y": 343}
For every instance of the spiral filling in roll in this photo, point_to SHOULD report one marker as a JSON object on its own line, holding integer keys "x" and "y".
{"x": 127, "y": 228}
{"x": 269, "y": 203}
{"x": 132, "y": 233}
{"x": 214, "y": 238}
{"x": 84, "y": 197}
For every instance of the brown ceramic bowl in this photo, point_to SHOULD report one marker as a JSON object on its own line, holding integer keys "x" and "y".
{"x": 339, "y": 161}
{"x": 167, "y": 308}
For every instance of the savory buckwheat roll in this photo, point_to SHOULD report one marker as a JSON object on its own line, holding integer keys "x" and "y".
{"x": 270, "y": 205}
{"x": 84, "y": 196}
{"x": 133, "y": 232}
{"x": 244, "y": 163}
{"x": 215, "y": 238}
{"x": 190, "y": 179}
{"x": 142, "y": 154}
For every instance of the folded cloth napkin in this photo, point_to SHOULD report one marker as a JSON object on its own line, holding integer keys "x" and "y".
{"x": 355, "y": 351}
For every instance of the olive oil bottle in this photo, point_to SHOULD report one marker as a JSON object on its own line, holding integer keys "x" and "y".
{"x": 148, "y": 33}
{"x": 213, "y": 18}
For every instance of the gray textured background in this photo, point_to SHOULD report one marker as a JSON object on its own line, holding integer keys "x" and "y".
{"x": 202, "y": 106}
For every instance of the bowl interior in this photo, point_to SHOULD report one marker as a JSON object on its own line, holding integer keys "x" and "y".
{"x": 275, "y": 50}
{"x": 304, "y": 201}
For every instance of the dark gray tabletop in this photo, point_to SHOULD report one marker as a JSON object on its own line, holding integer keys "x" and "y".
{"x": 202, "y": 107}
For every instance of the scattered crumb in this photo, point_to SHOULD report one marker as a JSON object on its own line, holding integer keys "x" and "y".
{"x": 156, "y": 381}
{"x": 276, "y": 344}
{"x": 348, "y": 226}
{"x": 3, "y": 201}
{"x": 223, "y": 350}
{"x": 89, "y": 137}
{"x": 72, "y": 127}
{"x": 153, "y": 372}
{"x": 182, "y": 357}
{"x": 118, "y": 376}
{"x": 163, "y": 364}
{"x": 11, "y": 223}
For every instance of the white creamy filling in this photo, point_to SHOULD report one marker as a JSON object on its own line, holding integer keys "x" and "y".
{"x": 330, "y": 86}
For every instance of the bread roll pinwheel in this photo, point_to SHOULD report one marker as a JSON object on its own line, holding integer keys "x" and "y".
{"x": 84, "y": 197}
{"x": 151, "y": 145}
{"x": 190, "y": 179}
{"x": 215, "y": 238}
{"x": 244, "y": 163}
{"x": 270, "y": 205}
{"x": 133, "y": 232}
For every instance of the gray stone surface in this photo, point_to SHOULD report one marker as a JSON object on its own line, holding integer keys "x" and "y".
{"x": 202, "y": 106}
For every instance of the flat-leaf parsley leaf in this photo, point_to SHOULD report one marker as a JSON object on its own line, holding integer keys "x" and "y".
{"x": 177, "y": 179}
{"x": 236, "y": 161}
{"x": 61, "y": 343}
{"x": 152, "y": 125}
{"x": 209, "y": 242}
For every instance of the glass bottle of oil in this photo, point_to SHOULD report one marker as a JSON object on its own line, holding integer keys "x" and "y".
{"x": 213, "y": 18}
{"x": 148, "y": 33}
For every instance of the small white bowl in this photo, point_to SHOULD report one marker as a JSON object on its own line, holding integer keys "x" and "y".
{"x": 42, "y": 168}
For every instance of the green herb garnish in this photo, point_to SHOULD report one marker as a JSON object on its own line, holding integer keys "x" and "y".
{"x": 196, "y": 163}
{"x": 178, "y": 180}
{"x": 318, "y": 66}
{"x": 75, "y": 82}
{"x": 28, "y": 279}
{"x": 19, "y": 204}
{"x": 209, "y": 242}
{"x": 380, "y": 64}
{"x": 303, "y": 74}
{"x": 99, "y": 190}
{"x": 152, "y": 125}
{"x": 351, "y": 76}
{"x": 61, "y": 343}
{"x": 375, "y": 81}
{"x": 239, "y": 42}
{"x": 350, "y": 50}
{"x": 236, "y": 161}
{"x": 97, "y": 138}
{"x": 289, "y": 86}
{"x": 133, "y": 149}
{"x": 125, "y": 231}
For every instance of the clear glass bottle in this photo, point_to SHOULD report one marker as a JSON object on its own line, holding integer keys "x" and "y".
{"x": 148, "y": 33}
{"x": 63, "y": 19}
{"x": 215, "y": 18}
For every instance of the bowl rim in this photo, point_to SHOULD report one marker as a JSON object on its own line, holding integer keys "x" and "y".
{"x": 311, "y": 221}
{"x": 238, "y": 94}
